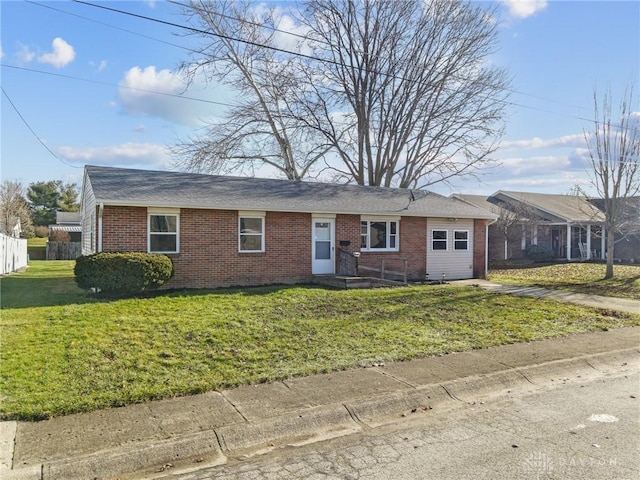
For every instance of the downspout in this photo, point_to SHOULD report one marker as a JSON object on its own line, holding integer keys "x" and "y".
{"x": 100, "y": 211}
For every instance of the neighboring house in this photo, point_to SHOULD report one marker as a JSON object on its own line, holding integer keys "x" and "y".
{"x": 569, "y": 225}
{"x": 13, "y": 249}
{"x": 224, "y": 231}
{"x": 13, "y": 228}
{"x": 627, "y": 247}
{"x": 69, "y": 222}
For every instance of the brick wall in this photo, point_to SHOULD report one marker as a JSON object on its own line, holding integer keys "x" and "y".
{"x": 209, "y": 255}
{"x": 413, "y": 245}
{"x": 479, "y": 248}
{"x": 124, "y": 229}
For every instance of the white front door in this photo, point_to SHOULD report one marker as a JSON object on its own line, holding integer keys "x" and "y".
{"x": 323, "y": 249}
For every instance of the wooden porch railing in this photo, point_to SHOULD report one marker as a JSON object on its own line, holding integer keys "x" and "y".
{"x": 347, "y": 263}
{"x": 384, "y": 271}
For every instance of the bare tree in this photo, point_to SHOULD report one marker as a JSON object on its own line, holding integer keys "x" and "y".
{"x": 239, "y": 49}
{"x": 14, "y": 207}
{"x": 386, "y": 92}
{"x": 405, "y": 95}
{"x": 614, "y": 150}
{"x": 515, "y": 220}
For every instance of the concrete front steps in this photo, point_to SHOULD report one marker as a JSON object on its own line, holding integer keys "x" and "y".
{"x": 347, "y": 282}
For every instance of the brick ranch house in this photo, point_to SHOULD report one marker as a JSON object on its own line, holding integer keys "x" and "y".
{"x": 229, "y": 231}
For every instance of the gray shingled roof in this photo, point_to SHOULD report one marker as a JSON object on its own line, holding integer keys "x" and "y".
{"x": 119, "y": 186}
{"x": 481, "y": 201}
{"x": 571, "y": 208}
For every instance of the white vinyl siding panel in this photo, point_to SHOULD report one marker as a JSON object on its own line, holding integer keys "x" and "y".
{"x": 455, "y": 264}
{"x": 88, "y": 220}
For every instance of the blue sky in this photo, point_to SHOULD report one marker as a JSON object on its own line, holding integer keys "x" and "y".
{"x": 557, "y": 53}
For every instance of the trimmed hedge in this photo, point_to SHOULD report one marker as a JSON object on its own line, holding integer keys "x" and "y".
{"x": 114, "y": 272}
{"x": 539, "y": 253}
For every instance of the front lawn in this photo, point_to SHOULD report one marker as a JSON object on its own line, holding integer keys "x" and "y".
{"x": 64, "y": 352}
{"x": 577, "y": 277}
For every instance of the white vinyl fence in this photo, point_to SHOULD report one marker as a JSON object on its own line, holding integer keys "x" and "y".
{"x": 13, "y": 253}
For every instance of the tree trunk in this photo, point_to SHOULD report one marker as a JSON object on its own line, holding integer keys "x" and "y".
{"x": 610, "y": 246}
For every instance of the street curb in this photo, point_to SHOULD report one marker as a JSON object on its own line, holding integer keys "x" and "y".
{"x": 298, "y": 427}
{"x": 7, "y": 437}
{"x": 136, "y": 457}
{"x": 316, "y": 423}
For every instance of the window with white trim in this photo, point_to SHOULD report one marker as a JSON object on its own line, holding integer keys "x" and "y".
{"x": 250, "y": 233}
{"x": 439, "y": 239}
{"x": 379, "y": 235}
{"x": 461, "y": 239}
{"x": 164, "y": 231}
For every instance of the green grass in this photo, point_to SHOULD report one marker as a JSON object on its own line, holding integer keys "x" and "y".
{"x": 37, "y": 248}
{"x": 43, "y": 283}
{"x": 577, "y": 277}
{"x": 64, "y": 352}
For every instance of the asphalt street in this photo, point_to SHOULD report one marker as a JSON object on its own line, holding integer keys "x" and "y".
{"x": 579, "y": 428}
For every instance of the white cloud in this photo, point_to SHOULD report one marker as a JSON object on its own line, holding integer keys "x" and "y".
{"x": 146, "y": 91}
{"x": 125, "y": 154}
{"x": 1, "y": 51}
{"x": 99, "y": 66}
{"x": 24, "y": 54}
{"x": 576, "y": 140}
{"x": 544, "y": 183}
{"x": 288, "y": 35}
{"x": 533, "y": 165}
{"x": 61, "y": 56}
{"x": 524, "y": 8}
{"x": 164, "y": 81}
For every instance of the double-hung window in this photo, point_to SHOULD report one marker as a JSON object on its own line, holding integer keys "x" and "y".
{"x": 251, "y": 232}
{"x": 438, "y": 239}
{"x": 461, "y": 240}
{"x": 379, "y": 235}
{"x": 164, "y": 231}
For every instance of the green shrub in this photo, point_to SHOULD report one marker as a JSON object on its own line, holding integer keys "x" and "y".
{"x": 114, "y": 272}
{"x": 539, "y": 253}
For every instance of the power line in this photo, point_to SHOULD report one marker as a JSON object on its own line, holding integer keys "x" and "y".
{"x": 206, "y": 32}
{"x": 108, "y": 25}
{"x": 281, "y": 50}
{"x": 98, "y": 82}
{"x": 248, "y": 22}
{"x": 299, "y": 54}
{"x": 333, "y": 62}
{"x": 304, "y": 37}
{"x": 35, "y": 134}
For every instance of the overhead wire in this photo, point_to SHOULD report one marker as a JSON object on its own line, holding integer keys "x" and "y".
{"x": 304, "y": 37}
{"x": 257, "y": 44}
{"x": 33, "y": 132}
{"x": 248, "y": 22}
{"x": 311, "y": 57}
{"x": 281, "y": 50}
{"x": 110, "y": 84}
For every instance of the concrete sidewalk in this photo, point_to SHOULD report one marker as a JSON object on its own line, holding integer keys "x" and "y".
{"x": 190, "y": 432}
{"x": 613, "y": 303}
